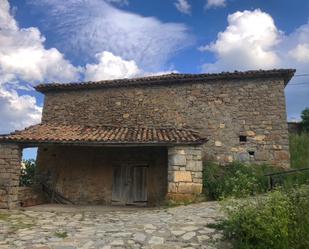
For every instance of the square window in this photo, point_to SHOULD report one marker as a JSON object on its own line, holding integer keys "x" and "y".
{"x": 242, "y": 138}
{"x": 251, "y": 153}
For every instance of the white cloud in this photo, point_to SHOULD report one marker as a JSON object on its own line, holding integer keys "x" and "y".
{"x": 297, "y": 45}
{"x": 110, "y": 67}
{"x": 120, "y": 2}
{"x": 246, "y": 43}
{"x": 183, "y": 6}
{"x": 23, "y": 58}
{"x": 84, "y": 28}
{"x": 300, "y": 53}
{"x": 215, "y": 3}
{"x": 161, "y": 73}
{"x": 294, "y": 51}
{"x": 252, "y": 41}
{"x": 16, "y": 111}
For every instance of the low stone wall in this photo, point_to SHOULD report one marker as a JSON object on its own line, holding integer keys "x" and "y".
{"x": 184, "y": 172}
{"x": 10, "y": 159}
{"x": 30, "y": 196}
{"x": 294, "y": 127}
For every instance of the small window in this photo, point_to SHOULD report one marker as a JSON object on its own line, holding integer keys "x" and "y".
{"x": 242, "y": 138}
{"x": 251, "y": 153}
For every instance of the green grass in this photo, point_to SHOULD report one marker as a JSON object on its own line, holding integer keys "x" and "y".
{"x": 299, "y": 150}
{"x": 4, "y": 216}
{"x": 21, "y": 225}
{"x": 16, "y": 223}
{"x": 276, "y": 220}
{"x": 61, "y": 234}
{"x": 184, "y": 202}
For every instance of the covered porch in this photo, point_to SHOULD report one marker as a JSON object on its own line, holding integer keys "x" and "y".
{"x": 105, "y": 165}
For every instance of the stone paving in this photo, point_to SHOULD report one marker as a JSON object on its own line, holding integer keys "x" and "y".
{"x": 103, "y": 228}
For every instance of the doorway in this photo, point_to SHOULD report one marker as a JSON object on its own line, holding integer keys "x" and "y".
{"x": 130, "y": 184}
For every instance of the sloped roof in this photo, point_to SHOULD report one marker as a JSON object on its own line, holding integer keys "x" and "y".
{"x": 105, "y": 135}
{"x": 173, "y": 78}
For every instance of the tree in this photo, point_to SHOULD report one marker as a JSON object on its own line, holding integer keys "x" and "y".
{"x": 305, "y": 120}
{"x": 27, "y": 173}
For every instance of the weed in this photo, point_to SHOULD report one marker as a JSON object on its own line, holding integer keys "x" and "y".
{"x": 21, "y": 225}
{"x": 61, "y": 234}
{"x": 4, "y": 216}
{"x": 299, "y": 150}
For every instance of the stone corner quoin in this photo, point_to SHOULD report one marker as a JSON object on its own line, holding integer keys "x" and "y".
{"x": 184, "y": 172}
{"x": 10, "y": 164}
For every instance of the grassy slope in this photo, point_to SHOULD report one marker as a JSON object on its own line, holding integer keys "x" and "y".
{"x": 299, "y": 149}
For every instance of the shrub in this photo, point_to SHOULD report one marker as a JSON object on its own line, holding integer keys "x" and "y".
{"x": 27, "y": 174}
{"x": 235, "y": 179}
{"x": 277, "y": 220}
{"x": 299, "y": 225}
{"x": 305, "y": 120}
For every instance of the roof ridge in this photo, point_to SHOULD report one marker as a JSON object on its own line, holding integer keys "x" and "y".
{"x": 287, "y": 74}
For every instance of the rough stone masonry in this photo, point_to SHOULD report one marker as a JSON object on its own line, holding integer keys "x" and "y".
{"x": 242, "y": 115}
{"x": 184, "y": 172}
{"x": 244, "y": 119}
{"x": 10, "y": 158}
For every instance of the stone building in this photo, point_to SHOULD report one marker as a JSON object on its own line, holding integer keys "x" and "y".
{"x": 139, "y": 141}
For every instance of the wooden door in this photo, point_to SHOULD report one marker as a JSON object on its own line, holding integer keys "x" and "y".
{"x": 118, "y": 183}
{"x": 129, "y": 185}
{"x": 139, "y": 185}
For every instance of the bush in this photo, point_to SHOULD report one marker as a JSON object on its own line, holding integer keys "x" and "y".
{"x": 258, "y": 223}
{"x": 299, "y": 225}
{"x": 235, "y": 179}
{"x": 27, "y": 175}
{"x": 278, "y": 220}
{"x": 305, "y": 120}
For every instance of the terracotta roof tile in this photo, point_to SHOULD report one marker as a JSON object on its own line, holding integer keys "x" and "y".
{"x": 173, "y": 78}
{"x": 63, "y": 133}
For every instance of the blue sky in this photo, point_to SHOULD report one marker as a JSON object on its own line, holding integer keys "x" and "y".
{"x": 77, "y": 40}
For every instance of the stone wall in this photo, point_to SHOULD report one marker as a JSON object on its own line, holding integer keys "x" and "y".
{"x": 184, "y": 172}
{"x": 84, "y": 174}
{"x": 221, "y": 110}
{"x": 30, "y": 196}
{"x": 10, "y": 163}
{"x": 294, "y": 127}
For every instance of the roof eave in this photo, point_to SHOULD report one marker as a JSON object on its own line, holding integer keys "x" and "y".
{"x": 285, "y": 74}
{"x": 35, "y": 143}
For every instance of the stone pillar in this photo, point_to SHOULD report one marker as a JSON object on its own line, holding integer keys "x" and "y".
{"x": 10, "y": 163}
{"x": 184, "y": 172}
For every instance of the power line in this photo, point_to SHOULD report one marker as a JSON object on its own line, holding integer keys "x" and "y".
{"x": 301, "y": 75}
{"x": 300, "y": 83}
{"x": 297, "y": 85}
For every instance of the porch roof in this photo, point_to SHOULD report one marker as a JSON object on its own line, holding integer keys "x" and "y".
{"x": 102, "y": 135}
